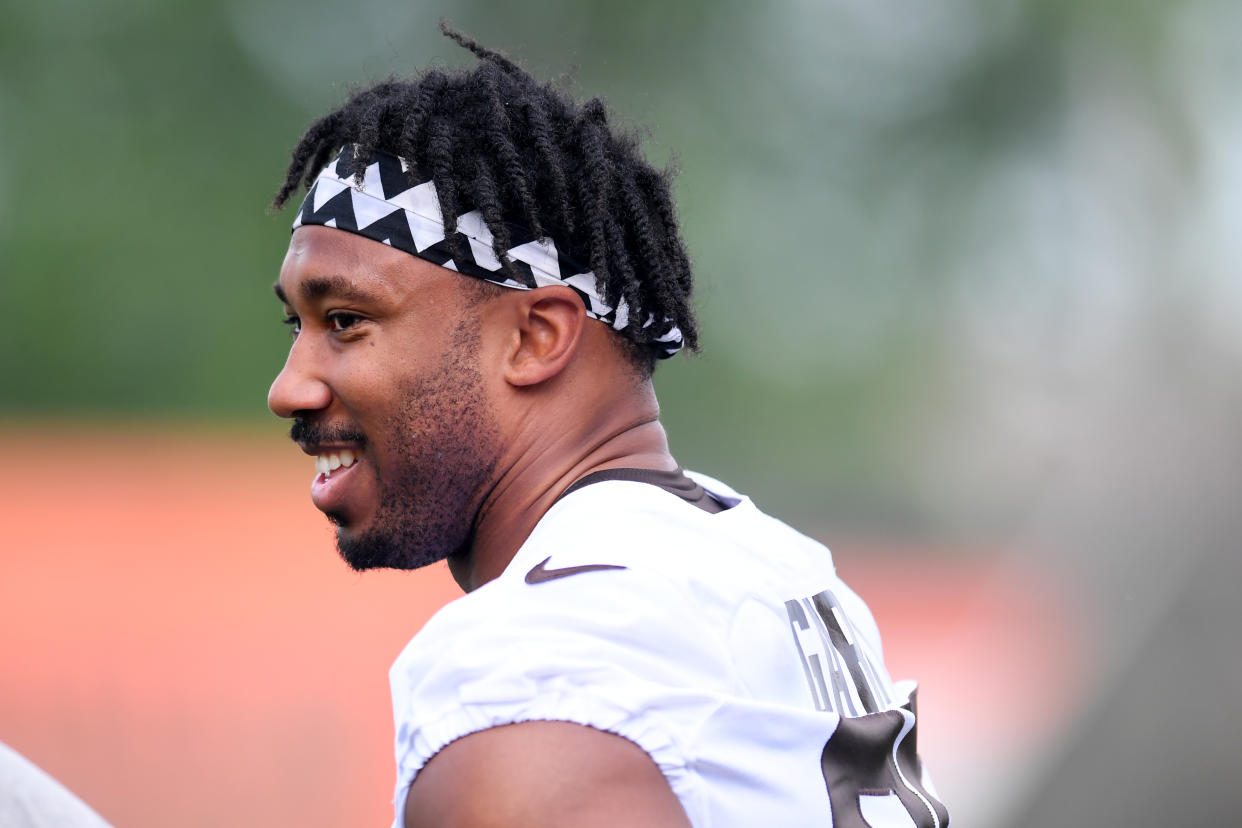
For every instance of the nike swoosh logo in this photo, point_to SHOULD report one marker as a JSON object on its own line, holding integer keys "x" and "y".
{"x": 540, "y": 573}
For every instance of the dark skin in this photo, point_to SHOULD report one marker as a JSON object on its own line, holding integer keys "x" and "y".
{"x": 565, "y": 402}
{"x": 545, "y": 774}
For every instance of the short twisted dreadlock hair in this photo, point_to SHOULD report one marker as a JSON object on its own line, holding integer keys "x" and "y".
{"x": 495, "y": 140}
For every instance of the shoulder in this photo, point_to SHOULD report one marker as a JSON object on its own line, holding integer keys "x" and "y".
{"x": 627, "y": 610}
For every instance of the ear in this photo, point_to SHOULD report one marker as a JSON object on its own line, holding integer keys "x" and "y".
{"x": 548, "y": 330}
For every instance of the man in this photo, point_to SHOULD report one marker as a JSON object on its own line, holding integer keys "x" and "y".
{"x": 479, "y": 283}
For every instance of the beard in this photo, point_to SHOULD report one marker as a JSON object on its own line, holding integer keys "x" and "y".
{"x": 445, "y": 442}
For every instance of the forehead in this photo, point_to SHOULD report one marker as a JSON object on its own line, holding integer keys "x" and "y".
{"x": 324, "y": 262}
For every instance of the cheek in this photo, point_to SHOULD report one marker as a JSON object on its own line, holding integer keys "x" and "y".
{"x": 370, "y": 376}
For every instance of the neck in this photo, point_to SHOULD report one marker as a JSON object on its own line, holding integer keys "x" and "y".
{"x": 549, "y": 465}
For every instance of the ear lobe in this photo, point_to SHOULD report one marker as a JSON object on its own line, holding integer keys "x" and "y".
{"x": 549, "y": 329}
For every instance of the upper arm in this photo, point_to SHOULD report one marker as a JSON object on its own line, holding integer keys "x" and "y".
{"x": 542, "y": 773}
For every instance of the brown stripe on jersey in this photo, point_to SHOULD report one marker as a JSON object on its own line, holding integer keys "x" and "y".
{"x": 675, "y": 482}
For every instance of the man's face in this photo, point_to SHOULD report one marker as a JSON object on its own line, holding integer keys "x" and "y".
{"x": 383, "y": 378}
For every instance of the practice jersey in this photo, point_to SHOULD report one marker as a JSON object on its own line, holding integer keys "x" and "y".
{"x": 724, "y": 645}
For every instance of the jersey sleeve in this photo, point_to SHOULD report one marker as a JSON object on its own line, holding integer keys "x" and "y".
{"x": 620, "y": 651}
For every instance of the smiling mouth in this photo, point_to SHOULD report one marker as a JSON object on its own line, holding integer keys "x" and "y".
{"x": 336, "y": 484}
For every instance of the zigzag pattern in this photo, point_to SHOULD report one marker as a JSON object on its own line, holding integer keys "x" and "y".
{"x": 393, "y": 207}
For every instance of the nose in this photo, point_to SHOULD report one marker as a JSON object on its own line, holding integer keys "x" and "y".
{"x": 297, "y": 387}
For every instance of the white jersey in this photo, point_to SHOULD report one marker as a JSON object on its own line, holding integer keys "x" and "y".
{"x": 724, "y": 645}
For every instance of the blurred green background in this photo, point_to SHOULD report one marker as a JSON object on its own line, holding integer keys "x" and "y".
{"x": 967, "y": 272}
{"x": 890, "y": 210}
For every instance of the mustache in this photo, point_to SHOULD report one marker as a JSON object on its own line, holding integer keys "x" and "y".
{"x": 310, "y": 432}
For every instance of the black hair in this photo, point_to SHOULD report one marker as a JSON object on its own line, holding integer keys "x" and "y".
{"x": 494, "y": 139}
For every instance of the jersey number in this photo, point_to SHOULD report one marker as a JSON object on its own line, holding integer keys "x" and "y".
{"x": 870, "y": 763}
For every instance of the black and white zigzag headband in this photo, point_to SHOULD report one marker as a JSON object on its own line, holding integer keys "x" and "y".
{"x": 393, "y": 207}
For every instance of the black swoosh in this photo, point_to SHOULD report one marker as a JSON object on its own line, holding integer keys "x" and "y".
{"x": 539, "y": 573}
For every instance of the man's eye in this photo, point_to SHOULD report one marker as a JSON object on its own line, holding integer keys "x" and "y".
{"x": 342, "y": 320}
{"x": 295, "y": 325}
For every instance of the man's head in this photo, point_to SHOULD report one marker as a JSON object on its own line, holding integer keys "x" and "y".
{"x": 383, "y": 384}
{"x": 418, "y": 388}
{"x": 525, "y": 159}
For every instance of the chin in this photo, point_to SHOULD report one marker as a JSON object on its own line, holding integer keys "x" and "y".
{"x": 373, "y": 549}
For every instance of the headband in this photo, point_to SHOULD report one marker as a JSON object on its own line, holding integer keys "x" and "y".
{"x": 391, "y": 205}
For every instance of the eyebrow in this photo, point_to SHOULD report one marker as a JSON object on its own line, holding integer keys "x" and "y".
{"x": 320, "y": 286}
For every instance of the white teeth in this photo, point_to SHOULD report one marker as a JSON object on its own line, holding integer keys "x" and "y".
{"x": 325, "y": 464}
